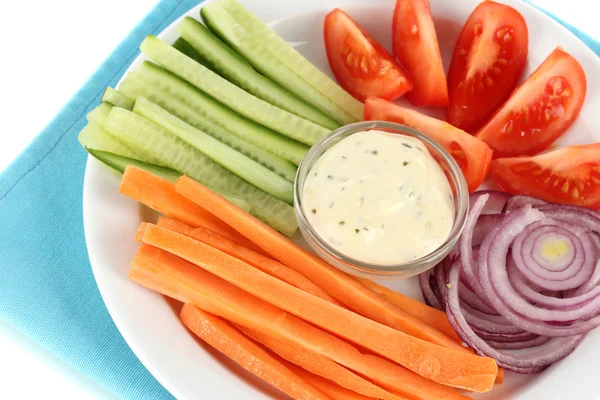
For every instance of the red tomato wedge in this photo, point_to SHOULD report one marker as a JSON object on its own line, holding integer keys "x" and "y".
{"x": 472, "y": 155}
{"x": 360, "y": 64}
{"x": 540, "y": 110}
{"x": 416, "y": 47}
{"x": 487, "y": 63}
{"x": 567, "y": 176}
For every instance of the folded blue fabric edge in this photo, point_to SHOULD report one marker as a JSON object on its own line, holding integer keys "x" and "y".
{"x": 71, "y": 117}
{"x": 86, "y": 98}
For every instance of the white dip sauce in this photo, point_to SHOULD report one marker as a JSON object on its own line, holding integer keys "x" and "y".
{"x": 379, "y": 198}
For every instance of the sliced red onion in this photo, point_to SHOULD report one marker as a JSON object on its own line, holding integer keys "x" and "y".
{"x": 494, "y": 281}
{"x": 472, "y": 300}
{"x": 581, "y": 257}
{"x": 578, "y": 216}
{"x": 537, "y": 341}
{"x": 505, "y": 337}
{"x": 520, "y": 200}
{"x": 496, "y": 324}
{"x": 469, "y": 270}
{"x": 496, "y": 201}
{"x": 428, "y": 294}
{"x": 529, "y": 360}
{"x": 517, "y": 281}
{"x": 484, "y": 224}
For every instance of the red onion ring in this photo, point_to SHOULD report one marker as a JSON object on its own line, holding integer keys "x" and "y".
{"x": 492, "y": 269}
{"x": 426, "y": 288}
{"x": 537, "y": 341}
{"x": 472, "y": 300}
{"x": 521, "y": 200}
{"x": 528, "y": 360}
{"x": 570, "y": 276}
{"x": 496, "y": 201}
{"x": 506, "y": 296}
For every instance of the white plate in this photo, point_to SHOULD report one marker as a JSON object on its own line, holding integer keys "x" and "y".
{"x": 149, "y": 324}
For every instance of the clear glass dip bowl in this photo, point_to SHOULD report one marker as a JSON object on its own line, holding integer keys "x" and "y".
{"x": 374, "y": 271}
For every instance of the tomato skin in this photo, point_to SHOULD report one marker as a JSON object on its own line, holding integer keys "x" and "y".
{"x": 416, "y": 47}
{"x": 570, "y": 175}
{"x": 540, "y": 110}
{"x": 472, "y": 155}
{"x": 488, "y": 60}
{"x": 361, "y": 65}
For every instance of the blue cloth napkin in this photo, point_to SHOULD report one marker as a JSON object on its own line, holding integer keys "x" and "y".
{"x": 46, "y": 285}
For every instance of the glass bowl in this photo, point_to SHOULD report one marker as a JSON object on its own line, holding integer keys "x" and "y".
{"x": 374, "y": 271}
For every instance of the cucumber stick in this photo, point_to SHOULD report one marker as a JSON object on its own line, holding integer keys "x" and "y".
{"x": 134, "y": 86}
{"x": 99, "y": 114}
{"x": 232, "y": 67}
{"x": 216, "y": 112}
{"x": 93, "y": 136}
{"x": 229, "y": 94}
{"x": 120, "y": 163}
{"x": 184, "y": 47}
{"x": 117, "y": 99}
{"x": 234, "y": 161}
{"x": 139, "y": 132}
{"x": 280, "y": 49}
{"x": 224, "y": 25}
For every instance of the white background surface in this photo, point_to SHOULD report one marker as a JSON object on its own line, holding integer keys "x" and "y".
{"x": 46, "y": 57}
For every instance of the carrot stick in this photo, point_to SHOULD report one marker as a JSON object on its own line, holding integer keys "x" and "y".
{"x": 429, "y": 315}
{"x": 384, "y": 373}
{"x": 264, "y": 263}
{"x": 160, "y": 195}
{"x": 229, "y": 341}
{"x": 174, "y": 277}
{"x": 139, "y": 234}
{"x": 440, "y": 364}
{"x": 330, "y": 389}
{"x": 335, "y": 282}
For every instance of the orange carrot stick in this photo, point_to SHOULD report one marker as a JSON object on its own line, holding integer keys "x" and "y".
{"x": 174, "y": 277}
{"x": 330, "y": 389}
{"x": 429, "y": 315}
{"x": 384, "y": 373}
{"x": 226, "y": 339}
{"x": 160, "y": 195}
{"x": 440, "y": 364}
{"x": 264, "y": 263}
{"x": 335, "y": 282}
{"x": 139, "y": 234}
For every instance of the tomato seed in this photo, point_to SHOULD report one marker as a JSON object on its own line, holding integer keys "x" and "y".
{"x": 575, "y": 194}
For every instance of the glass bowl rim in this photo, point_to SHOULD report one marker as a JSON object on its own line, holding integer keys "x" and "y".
{"x": 461, "y": 195}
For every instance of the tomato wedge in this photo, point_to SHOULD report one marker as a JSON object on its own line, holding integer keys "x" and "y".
{"x": 570, "y": 175}
{"x": 360, "y": 64}
{"x": 540, "y": 110}
{"x": 487, "y": 63}
{"x": 472, "y": 155}
{"x": 416, "y": 47}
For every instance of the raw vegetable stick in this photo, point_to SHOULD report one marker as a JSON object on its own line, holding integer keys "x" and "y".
{"x": 139, "y": 234}
{"x": 229, "y": 341}
{"x": 335, "y": 282}
{"x": 440, "y": 364}
{"x": 390, "y": 376}
{"x": 260, "y": 261}
{"x": 429, "y": 315}
{"x": 330, "y": 389}
{"x": 160, "y": 195}
{"x": 174, "y": 277}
